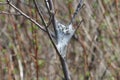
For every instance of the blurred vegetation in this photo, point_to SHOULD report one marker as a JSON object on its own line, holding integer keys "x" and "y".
{"x": 27, "y": 53}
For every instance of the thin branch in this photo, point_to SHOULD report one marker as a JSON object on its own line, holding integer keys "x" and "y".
{"x": 39, "y": 12}
{"x": 50, "y": 20}
{"x": 79, "y": 6}
{"x": 51, "y": 11}
{"x": 78, "y": 25}
{"x": 3, "y": 3}
{"x": 62, "y": 60}
{"x": 7, "y": 13}
{"x": 74, "y": 36}
{"x": 103, "y": 75}
{"x": 43, "y": 21}
{"x": 26, "y": 16}
{"x": 53, "y": 16}
{"x": 21, "y": 69}
{"x": 41, "y": 17}
{"x": 47, "y": 6}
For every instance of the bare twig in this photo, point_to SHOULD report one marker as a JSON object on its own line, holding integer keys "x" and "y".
{"x": 39, "y": 12}
{"x": 47, "y": 6}
{"x": 3, "y": 3}
{"x": 79, "y": 24}
{"x": 21, "y": 69}
{"x": 103, "y": 75}
{"x": 79, "y": 6}
{"x": 36, "y": 54}
{"x": 62, "y": 60}
{"x": 7, "y": 13}
{"x": 51, "y": 11}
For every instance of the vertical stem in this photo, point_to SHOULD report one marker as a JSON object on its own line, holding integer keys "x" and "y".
{"x": 36, "y": 55}
{"x": 117, "y": 10}
{"x": 85, "y": 59}
{"x": 65, "y": 68}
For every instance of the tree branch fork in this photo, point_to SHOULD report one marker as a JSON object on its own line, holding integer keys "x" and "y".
{"x": 62, "y": 34}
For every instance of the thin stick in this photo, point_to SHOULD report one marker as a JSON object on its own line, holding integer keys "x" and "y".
{"x": 39, "y": 12}
{"x": 79, "y": 6}
{"x": 7, "y": 13}
{"x": 51, "y": 11}
{"x": 3, "y": 3}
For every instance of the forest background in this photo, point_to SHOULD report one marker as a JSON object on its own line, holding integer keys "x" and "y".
{"x": 26, "y": 52}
